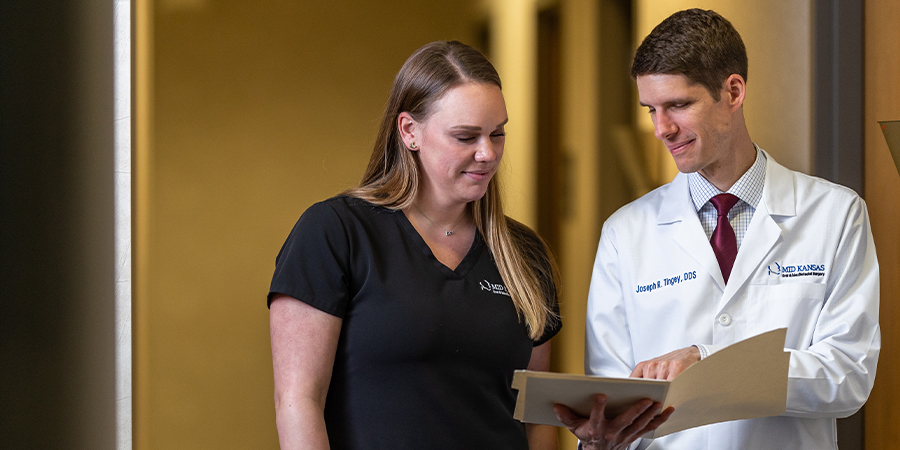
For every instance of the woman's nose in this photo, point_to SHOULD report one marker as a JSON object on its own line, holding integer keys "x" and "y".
{"x": 486, "y": 152}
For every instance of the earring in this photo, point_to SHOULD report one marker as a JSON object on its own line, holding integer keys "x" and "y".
{"x": 412, "y": 146}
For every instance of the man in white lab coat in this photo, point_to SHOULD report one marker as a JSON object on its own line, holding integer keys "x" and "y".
{"x": 684, "y": 271}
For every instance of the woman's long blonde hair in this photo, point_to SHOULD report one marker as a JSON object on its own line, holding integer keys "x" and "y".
{"x": 392, "y": 177}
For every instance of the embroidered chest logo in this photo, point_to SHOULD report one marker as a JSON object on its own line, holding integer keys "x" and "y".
{"x": 666, "y": 282}
{"x": 494, "y": 288}
{"x": 802, "y": 270}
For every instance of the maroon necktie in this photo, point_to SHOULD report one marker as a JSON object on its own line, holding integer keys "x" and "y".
{"x": 723, "y": 241}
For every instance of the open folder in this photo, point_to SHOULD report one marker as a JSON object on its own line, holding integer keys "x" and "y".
{"x": 742, "y": 381}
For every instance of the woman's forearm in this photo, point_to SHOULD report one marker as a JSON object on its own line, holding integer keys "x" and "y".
{"x": 301, "y": 424}
{"x": 541, "y": 437}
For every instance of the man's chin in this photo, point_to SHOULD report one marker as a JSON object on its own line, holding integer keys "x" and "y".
{"x": 685, "y": 166}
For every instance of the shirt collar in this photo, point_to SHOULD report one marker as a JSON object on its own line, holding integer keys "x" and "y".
{"x": 747, "y": 188}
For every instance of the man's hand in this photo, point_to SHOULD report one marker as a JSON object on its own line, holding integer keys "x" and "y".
{"x": 668, "y": 366}
{"x": 599, "y": 433}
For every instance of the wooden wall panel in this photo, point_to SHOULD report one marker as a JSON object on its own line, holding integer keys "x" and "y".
{"x": 882, "y": 102}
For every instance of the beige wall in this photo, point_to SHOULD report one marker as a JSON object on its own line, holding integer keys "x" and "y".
{"x": 778, "y": 37}
{"x": 249, "y": 112}
{"x": 514, "y": 52}
{"x": 882, "y": 186}
{"x": 579, "y": 232}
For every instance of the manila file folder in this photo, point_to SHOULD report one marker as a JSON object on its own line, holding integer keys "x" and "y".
{"x": 745, "y": 380}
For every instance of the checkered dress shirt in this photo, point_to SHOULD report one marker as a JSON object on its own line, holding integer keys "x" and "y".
{"x": 748, "y": 189}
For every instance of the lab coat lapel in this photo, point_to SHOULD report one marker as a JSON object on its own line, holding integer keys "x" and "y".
{"x": 678, "y": 218}
{"x": 763, "y": 233}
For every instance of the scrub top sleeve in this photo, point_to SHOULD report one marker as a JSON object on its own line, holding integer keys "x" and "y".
{"x": 554, "y": 324}
{"x": 313, "y": 264}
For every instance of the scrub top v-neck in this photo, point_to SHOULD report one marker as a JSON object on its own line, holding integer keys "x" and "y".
{"x": 426, "y": 354}
{"x": 461, "y": 269}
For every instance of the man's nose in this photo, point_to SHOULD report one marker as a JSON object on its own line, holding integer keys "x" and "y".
{"x": 665, "y": 127}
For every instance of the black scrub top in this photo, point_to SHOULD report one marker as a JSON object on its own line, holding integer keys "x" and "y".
{"x": 426, "y": 354}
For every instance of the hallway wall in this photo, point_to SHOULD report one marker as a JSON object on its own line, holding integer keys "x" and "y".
{"x": 882, "y": 186}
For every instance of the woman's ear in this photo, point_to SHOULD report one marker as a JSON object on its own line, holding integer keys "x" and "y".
{"x": 408, "y": 127}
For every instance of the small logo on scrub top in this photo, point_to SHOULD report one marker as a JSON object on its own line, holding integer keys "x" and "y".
{"x": 802, "y": 270}
{"x": 495, "y": 288}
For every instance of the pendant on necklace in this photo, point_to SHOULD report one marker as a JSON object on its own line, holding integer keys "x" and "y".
{"x": 448, "y": 233}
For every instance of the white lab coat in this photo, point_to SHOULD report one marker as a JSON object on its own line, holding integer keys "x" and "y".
{"x": 807, "y": 263}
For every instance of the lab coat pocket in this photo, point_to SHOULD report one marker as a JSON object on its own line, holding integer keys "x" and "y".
{"x": 795, "y": 306}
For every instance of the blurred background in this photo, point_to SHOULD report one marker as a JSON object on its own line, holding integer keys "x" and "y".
{"x": 239, "y": 115}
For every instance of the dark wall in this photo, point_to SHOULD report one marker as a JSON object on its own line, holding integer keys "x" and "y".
{"x": 57, "y": 291}
{"x": 838, "y": 122}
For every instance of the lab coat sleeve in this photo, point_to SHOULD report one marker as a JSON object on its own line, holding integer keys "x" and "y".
{"x": 607, "y": 339}
{"x": 608, "y": 346}
{"x": 834, "y": 375}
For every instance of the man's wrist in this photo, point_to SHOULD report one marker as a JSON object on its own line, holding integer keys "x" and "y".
{"x": 704, "y": 352}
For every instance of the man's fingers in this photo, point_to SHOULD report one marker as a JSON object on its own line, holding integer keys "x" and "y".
{"x": 635, "y": 428}
{"x": 566, "y": 416}
{"x": 674, "y": 369}
{"x": 586, "y": 429}
{"x": 654, "y": 370}
{"x": 668, "y": 366}
{"x": 659, "y": 370}
{"x": 638, "y": 371}
{"x": 660, "y": 419}
{"x": 623, "y": 429}
{"x": 598, "y": 410}
{"x": 630, "y": 416}
{"x": 656, "y": 418}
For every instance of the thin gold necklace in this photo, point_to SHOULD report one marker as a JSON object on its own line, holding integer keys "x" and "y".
{"x": 446, "y": 232}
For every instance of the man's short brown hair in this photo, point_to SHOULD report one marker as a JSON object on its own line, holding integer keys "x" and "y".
{"x": 700, "y": 44}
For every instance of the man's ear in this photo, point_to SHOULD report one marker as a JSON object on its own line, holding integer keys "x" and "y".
{"x": 408, "y": 128}
{"x": 733, "y": 90}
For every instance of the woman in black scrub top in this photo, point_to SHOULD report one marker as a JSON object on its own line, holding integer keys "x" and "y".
{"x": 400, "y": 308}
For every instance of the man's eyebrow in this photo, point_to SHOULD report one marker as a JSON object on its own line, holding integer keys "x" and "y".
{"x": 675, "y": 101}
